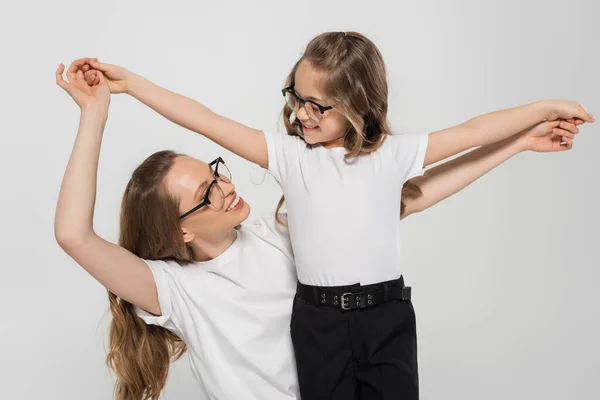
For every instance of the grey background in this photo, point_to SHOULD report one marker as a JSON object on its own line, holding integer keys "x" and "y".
{"x": 505, "y": 274}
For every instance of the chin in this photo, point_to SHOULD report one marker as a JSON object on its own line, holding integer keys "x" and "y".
{"x": 242, "y": 214}
{"x": 310, "y": 140}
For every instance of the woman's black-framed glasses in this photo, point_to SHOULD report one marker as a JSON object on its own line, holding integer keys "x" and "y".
{"x": 214, "y": 196}
{"x": 314, "y": 110}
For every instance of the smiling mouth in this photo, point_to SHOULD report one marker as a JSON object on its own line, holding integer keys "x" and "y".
{"x": 236, "y": 203}
{"x": 309, "y": 127}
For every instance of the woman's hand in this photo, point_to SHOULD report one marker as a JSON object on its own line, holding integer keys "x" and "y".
{"x": 550, "y": 136}
{"x": 87, "y": 97}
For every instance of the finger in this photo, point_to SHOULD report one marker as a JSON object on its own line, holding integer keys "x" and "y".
{"x": 90, "y": 76}
{"x": 71, "y": 75}
{"x": 583, "y": 114}
{"x": 79, "y": 76}
{"x": 98, "y": 65}
{"x": 86, "y": 67}
{"x": 78, "y": 63}
{"x": 101, "y": 78}
{"x": 563, "y": 133}
{"x": 579, "y": 121}
{"x": 554, "y": 124}
{"x": 72, "y": 71}
{"x": 569, "y": 143}
{"x": 569, "y": 127}
{"x": 89, "y": 61}
{"x": 59, "y": 78}
{"x": 582, "y": 107}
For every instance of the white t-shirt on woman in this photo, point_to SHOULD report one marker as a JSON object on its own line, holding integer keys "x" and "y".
{"x": 344, "y": 214}
{"x": 233, "y": 313}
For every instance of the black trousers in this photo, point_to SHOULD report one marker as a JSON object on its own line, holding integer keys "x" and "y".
{"x": 369, "y": 353}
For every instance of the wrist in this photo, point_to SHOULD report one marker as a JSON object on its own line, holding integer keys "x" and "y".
{"x": 94, "y": 112}
{"x": 545, "y": 110}
{"x": 132, "y": 82}
{"x": 519, "y": 143}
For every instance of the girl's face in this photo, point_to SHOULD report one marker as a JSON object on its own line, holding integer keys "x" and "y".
{"x": 195, "y": 182}
{"x": 331, "y": 126}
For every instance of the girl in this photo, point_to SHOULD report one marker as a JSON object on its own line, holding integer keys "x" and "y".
{"x": 342, "y": 174}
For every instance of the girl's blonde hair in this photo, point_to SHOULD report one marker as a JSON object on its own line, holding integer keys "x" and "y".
{"x": 355, "y": 84}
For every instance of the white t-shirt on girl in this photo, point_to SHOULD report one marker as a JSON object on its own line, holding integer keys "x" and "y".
{"x": 344, "y": 215}
{"x": 233, "y": 313}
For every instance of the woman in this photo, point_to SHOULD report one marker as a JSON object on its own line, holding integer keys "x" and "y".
{"x": 186, "y": 276}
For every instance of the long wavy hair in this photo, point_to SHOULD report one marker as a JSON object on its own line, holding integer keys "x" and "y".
{"x": 356, "y": 83}
{"x": 140, "y": 354}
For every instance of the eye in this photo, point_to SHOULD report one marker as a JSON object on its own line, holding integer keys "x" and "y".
{"x": 201, "y": 195}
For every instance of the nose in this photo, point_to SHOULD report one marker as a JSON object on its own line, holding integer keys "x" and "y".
{"x": 302, "y": 115}
{"x": 226, "y": 187}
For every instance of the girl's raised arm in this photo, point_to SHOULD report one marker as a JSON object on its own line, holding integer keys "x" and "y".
{"x": 246, "y": 142}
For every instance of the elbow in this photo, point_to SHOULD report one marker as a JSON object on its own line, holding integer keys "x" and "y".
{"x": 410, "y": 209}
{"x": 65, "y": 239}
{"x": 416, "y": 206}
{"x": 69, "y": 239}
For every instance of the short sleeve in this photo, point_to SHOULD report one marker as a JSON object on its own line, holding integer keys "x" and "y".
{"x": 275, "y": 233}
{"x": 166, "y": 287}
{"x": 283, "y": 150}
{"x": 409, "y": 150}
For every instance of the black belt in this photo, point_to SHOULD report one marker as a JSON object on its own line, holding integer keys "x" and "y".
{"x": 354, "y": 297}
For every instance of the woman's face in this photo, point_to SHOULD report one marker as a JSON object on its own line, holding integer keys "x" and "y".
{"x": 189, "y": 180}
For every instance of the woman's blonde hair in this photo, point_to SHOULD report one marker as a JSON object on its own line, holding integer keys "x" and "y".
{"x": 140, "y": 354}
{"x": 355, "y": 84}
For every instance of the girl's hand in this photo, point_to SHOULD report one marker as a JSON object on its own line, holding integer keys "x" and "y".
{"x": 116, "y": 76}
{"x": 550, "y": 136}
{"x": 87, "y": 97}
{"x": 566, "y": 109}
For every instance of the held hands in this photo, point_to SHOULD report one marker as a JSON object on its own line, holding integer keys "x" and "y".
{"x": 550, "y": 136}
{"x": 566, "y": 109}
{"x": 89, "y": 98}
{"x": 116, "y": 76}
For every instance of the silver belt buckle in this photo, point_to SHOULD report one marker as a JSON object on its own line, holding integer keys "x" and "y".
{"x": 345, "y": 302}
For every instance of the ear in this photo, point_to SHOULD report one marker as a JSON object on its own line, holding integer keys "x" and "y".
{"x": 188, "y": 235}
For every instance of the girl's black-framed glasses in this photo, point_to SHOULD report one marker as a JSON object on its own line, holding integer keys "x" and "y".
{"x": 314, "y": 110}
{"x": 214, "y": 196}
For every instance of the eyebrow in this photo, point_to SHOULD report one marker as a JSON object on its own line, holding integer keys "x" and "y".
{"x": 203, "y": 184}
{"x": 309, "y": 97}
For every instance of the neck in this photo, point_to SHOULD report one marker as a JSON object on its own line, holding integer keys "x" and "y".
{"x": 333, "y": 143}
{"x": 206, "y": 248}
